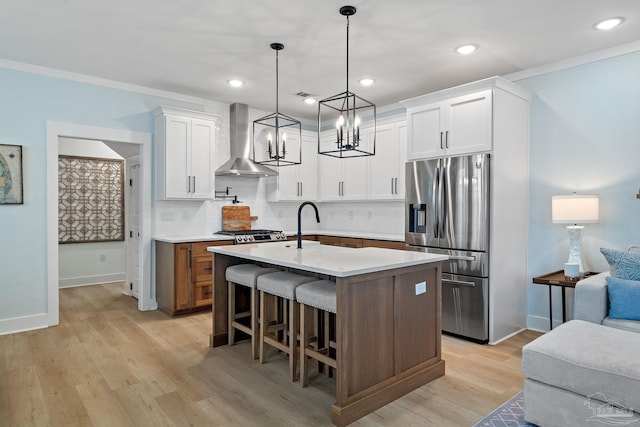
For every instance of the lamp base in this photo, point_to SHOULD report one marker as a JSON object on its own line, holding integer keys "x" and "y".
{"x": 575, "y": 244}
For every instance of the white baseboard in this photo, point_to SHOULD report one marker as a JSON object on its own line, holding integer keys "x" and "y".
{"x": 91, "y": 280}
{"x": 507, "y": 337}
{"x": 23, "y": 324}
{"x": 541, "y": 323}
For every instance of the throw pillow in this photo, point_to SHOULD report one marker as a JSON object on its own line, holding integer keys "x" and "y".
{"x": 623, "y": 264}
{"x": 624, "y": 298}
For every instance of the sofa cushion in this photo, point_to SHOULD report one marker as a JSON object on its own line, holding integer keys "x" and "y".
{"x": 624, "y": 298}
{"x": 626, "y": 325}
{"x": 587, "y": 358}
{"x": 623, "y": 264}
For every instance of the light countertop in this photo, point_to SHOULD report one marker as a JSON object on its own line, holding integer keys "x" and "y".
{"x": 216, "y": 237}
{"x": 331, "y": 260}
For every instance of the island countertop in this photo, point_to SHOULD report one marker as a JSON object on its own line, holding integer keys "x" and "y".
{"x": 325, "y": 259}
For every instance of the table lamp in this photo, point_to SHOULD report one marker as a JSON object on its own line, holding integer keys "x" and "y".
{"x": 575, "y": 209}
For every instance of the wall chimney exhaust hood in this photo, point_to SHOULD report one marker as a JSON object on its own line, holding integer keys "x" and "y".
{"x": 240, "y": 163}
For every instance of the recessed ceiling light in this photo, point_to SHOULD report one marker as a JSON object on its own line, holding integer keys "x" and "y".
{"x": 609, "y": 24}
{"x": 466, "y": 49}
{"x": 235, "y": 83}
{"x": 367, "y": 82}
{"x": 309, "y": 100}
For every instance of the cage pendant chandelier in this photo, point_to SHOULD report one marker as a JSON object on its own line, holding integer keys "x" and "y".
{"x": 277, "y": 138}
{"x": 341, "y": 116}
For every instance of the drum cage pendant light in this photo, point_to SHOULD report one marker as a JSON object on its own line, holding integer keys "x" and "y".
{"x": 345, "y": 112}
{"x": 271, "y": 134}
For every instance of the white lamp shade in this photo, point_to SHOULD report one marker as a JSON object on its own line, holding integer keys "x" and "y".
{"x": 575, "y": 209}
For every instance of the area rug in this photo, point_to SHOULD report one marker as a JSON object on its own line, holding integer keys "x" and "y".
{"x": 509, "y": 414}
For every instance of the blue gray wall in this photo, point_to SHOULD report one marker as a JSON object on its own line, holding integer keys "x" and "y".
{"x": 585, "y": 138}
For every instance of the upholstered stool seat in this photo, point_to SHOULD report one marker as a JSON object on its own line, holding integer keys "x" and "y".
{"x": 318, "y": 295}
{"x": 279, "y": 327}
{"x": 245, "y": 275}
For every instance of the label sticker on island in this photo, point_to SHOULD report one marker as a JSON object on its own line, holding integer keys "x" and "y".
{"x": 421, "y": 288}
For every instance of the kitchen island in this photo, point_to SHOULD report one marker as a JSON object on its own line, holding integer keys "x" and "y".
{"x": 388, "y": 313}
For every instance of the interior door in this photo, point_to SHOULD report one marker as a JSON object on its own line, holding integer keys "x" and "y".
{"x": 133, "y": 239}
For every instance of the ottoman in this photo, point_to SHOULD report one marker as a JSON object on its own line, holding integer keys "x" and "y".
{"x": 582, "y": 372}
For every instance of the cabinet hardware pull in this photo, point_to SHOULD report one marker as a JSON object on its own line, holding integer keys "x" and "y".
{"x": 392, "y": 192}
{"x": 189, "y": 183}
{"x": 208, "y": 269}
{"x": 441, "y": 145}
{"x": 301, "y": 189}
{"x": 194, "y": 183}
{"x": 463, "y": 258}
{"x": 446, "y": 139}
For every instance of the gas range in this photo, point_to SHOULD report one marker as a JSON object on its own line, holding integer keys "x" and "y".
{"x": 254, "y": 236}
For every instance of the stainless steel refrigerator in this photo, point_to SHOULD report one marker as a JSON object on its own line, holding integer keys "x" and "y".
{"x": 447, "y": 212}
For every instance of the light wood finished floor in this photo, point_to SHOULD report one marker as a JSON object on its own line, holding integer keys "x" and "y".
{"x": 108, "y": 364}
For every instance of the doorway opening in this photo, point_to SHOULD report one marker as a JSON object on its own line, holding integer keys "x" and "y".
{"x": 131, "y": 145}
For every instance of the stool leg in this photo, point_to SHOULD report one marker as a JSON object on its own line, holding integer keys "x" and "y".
{"x": 303, "y": 344}
{"x": 255, "y": 309}
{"x": 231, "y": 311}
{"x": 293, "y": 338}
{"x": 263, "y": 326}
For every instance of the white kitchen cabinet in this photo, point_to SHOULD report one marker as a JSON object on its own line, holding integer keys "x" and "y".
{"x": 184, "y": 142}
{"x": 385, "y": 170}
{"x": 454, "y": 126}
{"x": 341, "y": 179}
{"x": 297, "y": 182}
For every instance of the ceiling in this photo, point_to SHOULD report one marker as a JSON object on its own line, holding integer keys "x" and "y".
{"x": 193, "y": 47}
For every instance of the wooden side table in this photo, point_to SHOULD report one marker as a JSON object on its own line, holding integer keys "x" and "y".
{"x": 557, "y": 278}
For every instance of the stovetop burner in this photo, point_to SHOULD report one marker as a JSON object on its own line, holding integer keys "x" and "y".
{"x": 252, "y": 236}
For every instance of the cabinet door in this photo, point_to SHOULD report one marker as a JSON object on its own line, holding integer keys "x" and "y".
{"x": 469, "y": 127}
{"x": 383, "y": 167}
{"x": 201, "y": 173}
{"x": 178, "y": 154}
{"x": 354, "y": 178}
{"x": 330, "y": 178}
{"x": 308, "y": 170}
{"x": 289, "y": 176}
{"x": 183, "y": 285}
{"x": 401, "y": 145}
{"x": 426, "y": 138}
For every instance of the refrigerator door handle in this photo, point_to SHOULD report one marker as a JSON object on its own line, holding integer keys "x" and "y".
{"x": 434, "y": 201}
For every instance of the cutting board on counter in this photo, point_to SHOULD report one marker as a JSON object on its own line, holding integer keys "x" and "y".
{"x": 237, "y": 218}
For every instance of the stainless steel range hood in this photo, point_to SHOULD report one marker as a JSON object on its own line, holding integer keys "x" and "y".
{"x": 240, "y": 163}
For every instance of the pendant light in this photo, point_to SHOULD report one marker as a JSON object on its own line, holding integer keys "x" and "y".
{"x": 346, "y": 112}
{"x": 272, "y": 133}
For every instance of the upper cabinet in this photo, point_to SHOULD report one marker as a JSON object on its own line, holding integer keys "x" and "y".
{"x": 340, "y": 179}
{"x": 184, "y": 143}
{"x": 385, "y": 170}
{"x": 297, "y": 182}
{"x": 459, "y": 125}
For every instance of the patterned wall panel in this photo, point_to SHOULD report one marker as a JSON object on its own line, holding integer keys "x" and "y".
{"x": 90, "y": 199}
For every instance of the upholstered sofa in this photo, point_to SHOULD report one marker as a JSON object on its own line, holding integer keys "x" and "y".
{"x": 586, "y": 370}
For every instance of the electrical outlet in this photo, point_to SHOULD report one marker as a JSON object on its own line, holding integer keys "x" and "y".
{"x": 350, "y": 214}
{"x": 186, "y": 215}
{"x": 103, "y": 257}
{"x": 421, "y": 288}
{"x": 369, "y": 215}
{"x": 167, "y": 217}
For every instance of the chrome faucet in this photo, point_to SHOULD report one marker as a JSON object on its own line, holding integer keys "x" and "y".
{"x": 299, "y": 220}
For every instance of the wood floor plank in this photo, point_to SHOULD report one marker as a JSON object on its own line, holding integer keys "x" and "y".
{"x": 110, "y": 364}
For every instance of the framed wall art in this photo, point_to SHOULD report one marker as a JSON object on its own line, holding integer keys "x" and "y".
{"x": 11, "y": 175}
{"x": 90, "y": 199}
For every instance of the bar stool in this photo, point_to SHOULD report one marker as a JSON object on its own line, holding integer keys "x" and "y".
{"x": 318, "y": 295}
{"x": 245, "y": 275}
{"x": 276, "y": 288}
